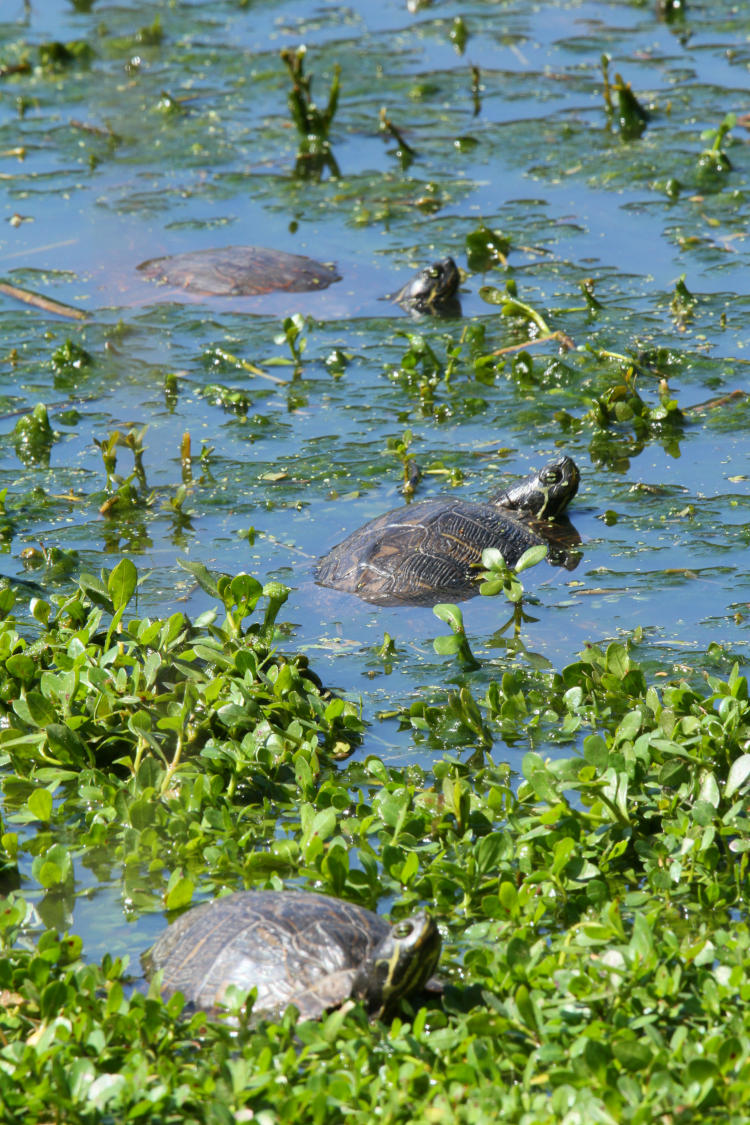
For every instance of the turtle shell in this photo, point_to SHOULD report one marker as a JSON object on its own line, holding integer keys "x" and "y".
{"x": 240, "y": 271}
{"x": 294, "y": 947}
{"x": 426, "y": 552}
{"x": 423, "y": 553}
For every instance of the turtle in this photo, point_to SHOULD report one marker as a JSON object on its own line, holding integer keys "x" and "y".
{"x": 294, "y": 947}
{"x": 240, "y": 271}
{"x": 432, "y": 290}
{"x": 250, "y": 271}
{"x": 431, "y": 550}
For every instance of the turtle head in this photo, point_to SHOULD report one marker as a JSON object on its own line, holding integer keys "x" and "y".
{"x": 402, "y": 962}
{"x": 432, "y": 290}
{"x": 543, "y": 494}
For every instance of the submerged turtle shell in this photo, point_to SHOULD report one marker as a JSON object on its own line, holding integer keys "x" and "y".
{"x": 240, "y": 271}
{"x": 427, "y": 551}
{"x": 294, "y": 947}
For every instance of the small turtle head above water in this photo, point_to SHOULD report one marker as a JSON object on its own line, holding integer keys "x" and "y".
{"x": 432, "y": 290}
{"x": 543, "y": 494}
{"x": 400, "y": 964}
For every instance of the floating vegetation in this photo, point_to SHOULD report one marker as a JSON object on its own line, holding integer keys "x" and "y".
{"x": 55, "y": 56}
{"x": 33, "y": 436}
{"x": 70, "y": 357}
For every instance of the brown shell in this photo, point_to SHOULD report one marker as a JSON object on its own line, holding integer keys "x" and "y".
{"x": 295, "y": 947}
{"x": 240, "y": 271}
{"x": 424, "y": 552}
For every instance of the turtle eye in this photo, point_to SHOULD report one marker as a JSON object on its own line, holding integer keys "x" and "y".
{"x": 402, "y": 929}
{"x": 552, "y": 476}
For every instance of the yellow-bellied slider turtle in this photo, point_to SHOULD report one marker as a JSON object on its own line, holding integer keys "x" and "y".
{"x": 431, "y": 550}
{"x": 250, "y": 271}
{"x": 297, "y": 948}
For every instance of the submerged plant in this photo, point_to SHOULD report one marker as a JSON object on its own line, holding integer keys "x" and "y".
{"x": 404, "y": 150}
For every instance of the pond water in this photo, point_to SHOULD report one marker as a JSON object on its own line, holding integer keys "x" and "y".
{"x": 176, "y": 136}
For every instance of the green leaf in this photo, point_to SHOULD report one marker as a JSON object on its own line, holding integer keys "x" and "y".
{"x": 21, "y": 667}
{"x": 595, "y": 751}
{"x": 632, "y": 1054}
{"x": 179, "y": 894}
{"x": 409, "y": 868}
{"x": 95, "y": 589}
{"x": 65, "y": 743}
{"x": 40, "y": 805}
{"x": 204, "y": 577}
{"x": 492, "y": 559}
{"x": 447, "y": 645}
{"x": 485, "y": 247}
{"x": 121, "y": 583}
{"x": 508, "y": 896}
{"x": 489, "y": 852}
{"x": 531, "y": 557}
{"x": 492, "y": 295}
{"x": 525, "y": 1007}
{"x": 618, "y": 661}
{"x": 40, "y": 710}
{"x": 642, "y": 940}
{"x": 739, "y": 771}
{"x": 450, "y": 614}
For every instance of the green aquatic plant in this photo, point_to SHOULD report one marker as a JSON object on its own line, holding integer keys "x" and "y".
{"x": 168, "y": 720}
{"x": 34, "y": 437}
{"x": 713, "y": 162}
{"x": 585, "y": 907}
{"x": 486, "y": 248}
{"x": 293, "y": 335}
{"x": 7, "y": 523}
{"x": 314, "y": 154}
{"x": 399, "y": 447}
{"x": 233, "y": 399}
{"x": 632, "y": 118}
{"x": 511, "y": 306}
{"x": 70, "y": 357}
{"x": 456, "y": 643}
{"x": 683, "y": 302}
{"x": 404, "y": 150}
{"x": 55, "y": 56}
